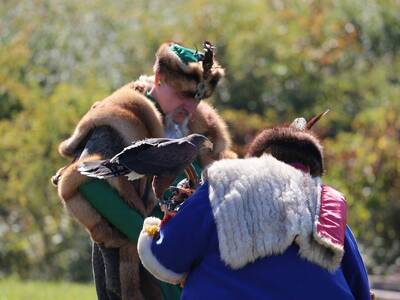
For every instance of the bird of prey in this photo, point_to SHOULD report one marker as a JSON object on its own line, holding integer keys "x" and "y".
{"x": 161, "y": 157}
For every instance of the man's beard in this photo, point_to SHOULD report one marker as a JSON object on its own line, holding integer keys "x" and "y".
{"x": 176, "y": 130}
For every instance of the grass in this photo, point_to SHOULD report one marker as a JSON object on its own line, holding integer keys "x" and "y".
{"x": 15, "y": 289}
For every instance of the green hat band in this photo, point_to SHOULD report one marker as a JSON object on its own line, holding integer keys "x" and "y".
{"x": 187, "y": 55}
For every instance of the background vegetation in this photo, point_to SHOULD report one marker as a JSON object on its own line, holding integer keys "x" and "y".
{"x": 14, "y": 289}
{"x": 283, "y": 59}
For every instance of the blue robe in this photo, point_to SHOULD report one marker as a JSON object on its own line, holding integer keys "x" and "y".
{"x": 188, "y": 243}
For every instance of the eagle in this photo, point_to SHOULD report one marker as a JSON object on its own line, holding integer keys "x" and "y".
{"x": 164, "y": 158}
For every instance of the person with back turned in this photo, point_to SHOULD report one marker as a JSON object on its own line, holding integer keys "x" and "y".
{"x": 263, "y": 227}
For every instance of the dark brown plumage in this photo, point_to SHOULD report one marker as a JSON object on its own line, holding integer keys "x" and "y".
{"x": 208, "y": 59}
{"x": 155, "y": 156}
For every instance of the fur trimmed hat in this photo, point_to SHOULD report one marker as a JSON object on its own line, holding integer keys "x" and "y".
{"x": 193, "y": 73}
{"x": 294, "y": 144}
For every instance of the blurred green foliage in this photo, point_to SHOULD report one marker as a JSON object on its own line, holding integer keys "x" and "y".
{"x": 283, "y": 59}
{"x": 16, "y": 289}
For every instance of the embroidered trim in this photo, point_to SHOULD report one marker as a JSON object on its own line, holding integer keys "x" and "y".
{"x": 152, "y": 230}
{"x": 149, "y": 261}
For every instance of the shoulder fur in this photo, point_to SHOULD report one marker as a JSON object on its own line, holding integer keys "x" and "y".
{"x": 205, "y": 120}
{"x": 127, "y": 111}
{"x": 261, "y": 206}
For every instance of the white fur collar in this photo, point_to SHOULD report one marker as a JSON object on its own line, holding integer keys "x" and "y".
{"x": 260, "y": 206}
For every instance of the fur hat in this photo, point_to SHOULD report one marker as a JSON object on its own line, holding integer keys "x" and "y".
{"x": 189, "y": 71}
{"x": 294, "y": 144}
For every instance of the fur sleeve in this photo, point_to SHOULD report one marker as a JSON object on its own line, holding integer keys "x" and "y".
{"x": 104, "y": 143}
{"x": 99, "y": 229}
{"x": 126, "y": 111}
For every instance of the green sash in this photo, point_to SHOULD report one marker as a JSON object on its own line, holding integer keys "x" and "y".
{"x": 108, "y": 203}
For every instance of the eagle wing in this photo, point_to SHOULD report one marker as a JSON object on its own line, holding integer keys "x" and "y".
{"x": 137, "y": 147}
{"x": 167, "y": 158}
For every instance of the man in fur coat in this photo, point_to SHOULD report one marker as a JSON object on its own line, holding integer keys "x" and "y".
{"x": 263, "y": 227}
{"x": 164, "y": 105}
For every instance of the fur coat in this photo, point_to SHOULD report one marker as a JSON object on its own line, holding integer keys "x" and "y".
{"x": 132, "y": 117}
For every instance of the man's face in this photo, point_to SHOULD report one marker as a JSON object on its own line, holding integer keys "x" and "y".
{"x": 175, "y": 104}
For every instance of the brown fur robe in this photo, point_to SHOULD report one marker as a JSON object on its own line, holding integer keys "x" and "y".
{"x": 133, "y": 117}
